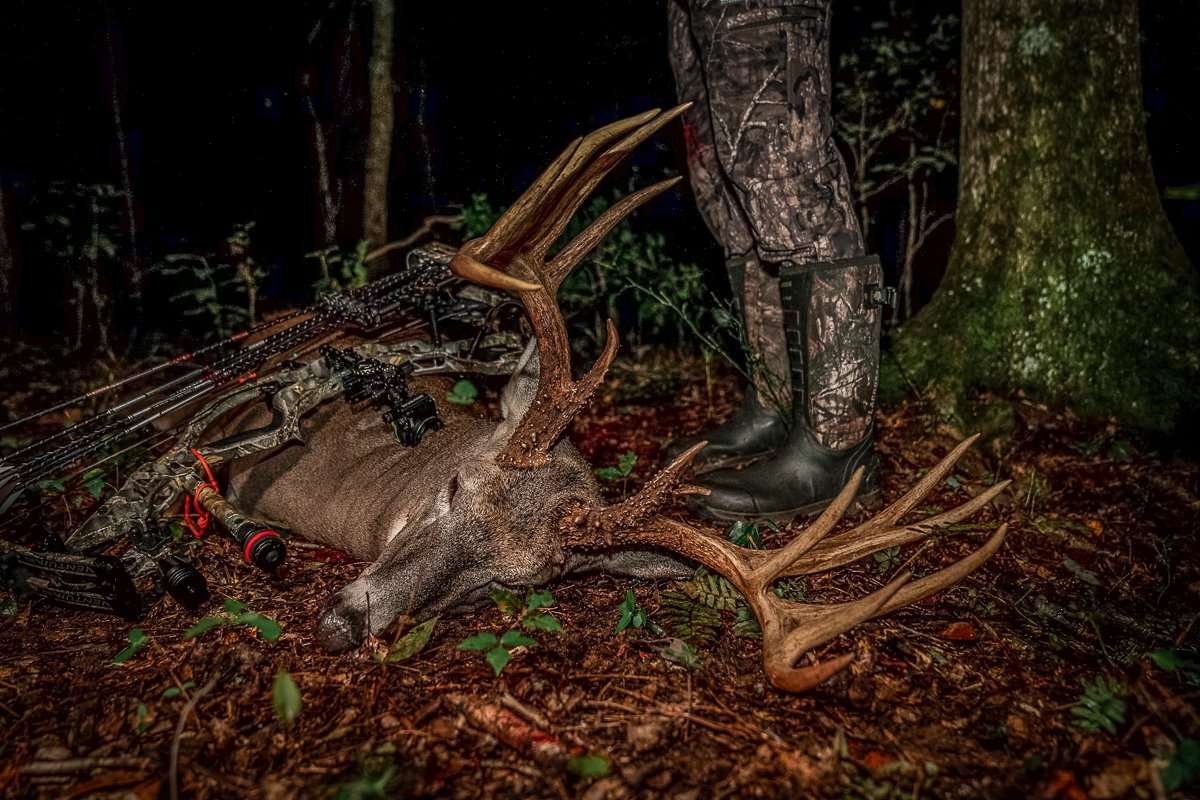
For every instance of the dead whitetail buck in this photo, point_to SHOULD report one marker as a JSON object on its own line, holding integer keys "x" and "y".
{"x": 480, "y": 505}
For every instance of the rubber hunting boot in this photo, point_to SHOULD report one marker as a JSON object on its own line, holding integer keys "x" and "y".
{"x": 832, "y": 313}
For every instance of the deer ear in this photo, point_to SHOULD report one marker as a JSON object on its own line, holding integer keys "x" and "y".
{"x": 518, "y": 394}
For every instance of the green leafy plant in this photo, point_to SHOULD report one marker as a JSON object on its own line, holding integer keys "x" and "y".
{"x": 887, "y": 560}
{"x": 371, "y": 785}
{"x": 632, "y": 613}
{"x": 1183, "y": 663}
{"x": 589, "y": 766}
{"x": 236, "y": 614}
{"x": 1100, "y": 707}
{"x": 176, "y": 691}
{"x": 463, "y": 393}
{"x": 478, "y": 216}
{"x": 219, "y": 287}
{"x": 340, "y": 269}
{"x": 1183, "y": 770}
{"x": 141, "y": 716}
{"x": 137, "y": 640}
{"x": 744, "y": 533}
{"x": 93, "y": 482}
{"x": 622, "y": 470}
{"x": 682, "y": 653}
{"x": 530, "y": 615}
{"x": 285, "y": 697}
{"x": 410, "y": 643}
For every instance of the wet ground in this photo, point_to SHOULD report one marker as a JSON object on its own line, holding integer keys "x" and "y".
{"x": 1066, "y": 667}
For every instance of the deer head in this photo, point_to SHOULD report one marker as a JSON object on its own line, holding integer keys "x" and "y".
{"x": 519, "y": 505}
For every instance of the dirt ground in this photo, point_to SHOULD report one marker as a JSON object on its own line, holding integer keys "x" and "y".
{"x": 976, "y": 692}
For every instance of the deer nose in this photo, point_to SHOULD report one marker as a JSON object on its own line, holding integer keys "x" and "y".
{"x": 339, "y": 628}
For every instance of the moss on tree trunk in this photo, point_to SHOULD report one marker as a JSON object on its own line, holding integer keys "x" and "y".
{"x": 1065, "y": 278}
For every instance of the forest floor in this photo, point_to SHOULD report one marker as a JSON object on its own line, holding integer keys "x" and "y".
{"x": 1066, "y": 667}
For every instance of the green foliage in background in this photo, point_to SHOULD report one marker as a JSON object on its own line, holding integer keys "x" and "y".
{"x": 220, "y": 289}
{"x": 630, "y": 276}
{"x": 340, "y": 269}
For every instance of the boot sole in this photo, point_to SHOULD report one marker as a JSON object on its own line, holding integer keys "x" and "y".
{"x": 865, "y": 499}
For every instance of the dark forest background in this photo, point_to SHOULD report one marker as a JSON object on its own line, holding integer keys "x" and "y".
{"x": 216, "y": 108}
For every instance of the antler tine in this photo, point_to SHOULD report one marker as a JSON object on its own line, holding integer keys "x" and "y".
{"x": 944, "y": 578}
{"x": 529, "y": 209}
{"x": 791, "y": 629}
{"x": 511, "y": 256}
{"x": 566, "y": 259}
{"x": 632, "y": 512}
{"x": 917, "y": 493}
{"x": 851, "y": 545}
{"x": 780, "y": 560}
{"x": 573, "y": 194}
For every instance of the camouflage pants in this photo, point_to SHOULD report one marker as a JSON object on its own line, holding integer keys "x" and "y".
{"x": 767, "y": 176}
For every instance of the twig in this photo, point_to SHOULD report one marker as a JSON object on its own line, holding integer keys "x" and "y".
{"x": 84, "y": 764}
{"x": 531, "y": 714}
{"x": 423, "y": 230}
{"x": 173, "y": 772}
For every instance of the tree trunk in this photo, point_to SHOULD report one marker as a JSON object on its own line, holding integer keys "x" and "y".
{"x": 1065, "y": 279}
{"x": 379, "y": 143}
{"x": 133, "y": 258}
{"x": 8, "y": 272}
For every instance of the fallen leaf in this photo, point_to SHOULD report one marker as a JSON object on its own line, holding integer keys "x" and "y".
{"x": 960, "y": 632}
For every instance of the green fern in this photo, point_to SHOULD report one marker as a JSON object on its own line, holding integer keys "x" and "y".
{"x": 711, "y": 590}
{"x": 1101, "y": 706}
{"x": 688, "y": 619}
{"x": 745, "y": 624}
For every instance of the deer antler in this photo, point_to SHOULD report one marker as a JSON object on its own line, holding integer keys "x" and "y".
{"x": 512, "y": 256}
{"x": 792, "y": 629}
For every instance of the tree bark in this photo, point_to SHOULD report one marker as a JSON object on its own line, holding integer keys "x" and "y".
{"x": 8, "y": 272}
{"x": 379, "y": 142}
{"x": 1066, "y": 279}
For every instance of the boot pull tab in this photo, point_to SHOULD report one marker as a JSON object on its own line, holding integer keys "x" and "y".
{"x": 878, "y": 296}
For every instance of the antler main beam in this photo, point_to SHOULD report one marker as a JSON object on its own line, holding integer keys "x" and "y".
{"x": 513, "y": 254}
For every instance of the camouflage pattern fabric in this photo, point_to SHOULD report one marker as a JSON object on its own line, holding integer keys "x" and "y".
{"x": 767, "y": 175}
{"x": 832, "y": 318}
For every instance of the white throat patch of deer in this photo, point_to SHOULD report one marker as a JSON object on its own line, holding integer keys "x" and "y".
{"x": 480, "y": 505}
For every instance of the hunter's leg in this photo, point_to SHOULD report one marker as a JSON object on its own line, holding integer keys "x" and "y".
{"x": 768, "y": 72}
{"x": 757, "y": 427}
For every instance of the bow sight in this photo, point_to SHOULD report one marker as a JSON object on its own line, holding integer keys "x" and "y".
{"x": 407, "y": 319}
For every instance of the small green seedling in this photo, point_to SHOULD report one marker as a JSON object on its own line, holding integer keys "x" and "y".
{"x": 625, "y": 464}
{"x": 745, "y": 534}
{"x": 285, "y": 697}
{"x": 1183, "y": 770}
{"x": 236, "y": 614}
{"x": 680, "y": 652}
{"x": 141, "y": 716}
{"x": 632, "y": 613}
{"x": 175, "y": 691}
{"x": 409, "y": 644}
{"x": 463, "y": 393}
{"x": 137, "y": 640}
{"x": 1184, "y": 664}
{"x": 497, "y": 650}
{"x": 887, "y": 560}
{"x": 93, "y": 482}
{"x": 589, "y": 767}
